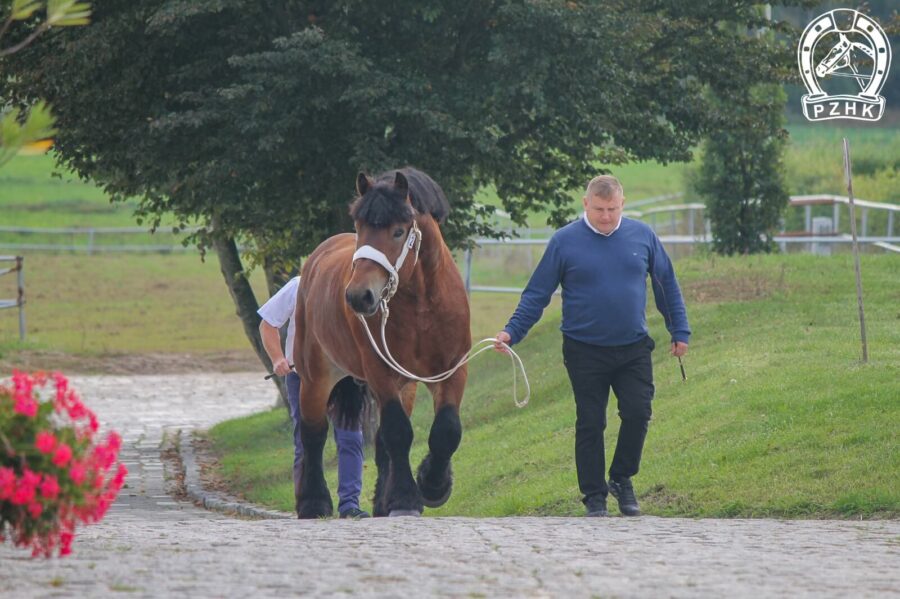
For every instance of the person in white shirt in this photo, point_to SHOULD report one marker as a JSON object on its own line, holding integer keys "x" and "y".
{"x": 275, "y": 313}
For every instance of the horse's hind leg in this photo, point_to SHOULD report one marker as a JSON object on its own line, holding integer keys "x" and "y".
{"x": 313, "y": 499}
{"x": 435, "y": 475}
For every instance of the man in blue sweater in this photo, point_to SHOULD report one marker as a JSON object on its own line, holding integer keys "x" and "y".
{"x": 602, "y": 261}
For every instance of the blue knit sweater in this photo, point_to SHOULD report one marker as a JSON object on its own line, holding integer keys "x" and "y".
{"x": 604, "y": 288}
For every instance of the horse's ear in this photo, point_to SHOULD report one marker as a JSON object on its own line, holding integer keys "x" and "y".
{"x": 401, "y": 184}
{"x": 363, "y": 183}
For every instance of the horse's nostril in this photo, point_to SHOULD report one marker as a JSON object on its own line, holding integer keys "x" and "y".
{"x": 369, "y": 297}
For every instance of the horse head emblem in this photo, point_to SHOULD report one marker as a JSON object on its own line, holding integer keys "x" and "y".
{"x": 861, "y": 52}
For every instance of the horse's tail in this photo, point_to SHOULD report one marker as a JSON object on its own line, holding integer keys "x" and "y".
{"x": 347, "y": 403}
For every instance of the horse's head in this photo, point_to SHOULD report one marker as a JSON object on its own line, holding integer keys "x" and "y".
{"x": 387, "y": 241}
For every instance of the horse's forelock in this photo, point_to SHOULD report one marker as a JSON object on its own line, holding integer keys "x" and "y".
{"x": 381, "y": 206}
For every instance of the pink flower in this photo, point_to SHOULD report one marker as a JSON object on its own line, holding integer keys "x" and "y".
{"x": 119, "y": 478}
{"x": 45, "y": 442}
{"x": 26, "y": 406}
{"x": 49, "y": 487}
{"x": 35, "y": 509}
{"x": 23, "y": 494}
{"x": 7, "y": 483}
{"x": 62, "y": 385}
{"x": 65, "y": 543}
{"x": 77, "y": 472}
{"x": 62, "y": 455}
{"x": 30, "y": 478}
{"x": 114, "y": 442}
{"x": 46, "y": 505}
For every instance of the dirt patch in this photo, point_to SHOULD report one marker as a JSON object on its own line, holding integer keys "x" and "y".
{"x": 126, "y": 364}
{"x": 745, "y": 288}
{"x": 208, "y": 462}
{"x": 174, "y": 469}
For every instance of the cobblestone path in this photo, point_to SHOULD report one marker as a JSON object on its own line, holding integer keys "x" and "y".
{"x": 153, "y": 546}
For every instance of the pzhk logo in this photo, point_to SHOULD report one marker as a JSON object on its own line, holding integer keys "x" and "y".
{"x": 860, "y": 52}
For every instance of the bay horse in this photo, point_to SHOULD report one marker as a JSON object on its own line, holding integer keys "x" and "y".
{"x": 397, "y": 218}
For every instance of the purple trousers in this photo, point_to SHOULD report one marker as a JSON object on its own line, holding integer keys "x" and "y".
{"x": 349, "y": 451}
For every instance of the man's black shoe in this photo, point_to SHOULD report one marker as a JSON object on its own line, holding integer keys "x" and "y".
{"x": 355, "y": 513}
{"x": 623, "y": 491}
{"x": 595, "y": 506}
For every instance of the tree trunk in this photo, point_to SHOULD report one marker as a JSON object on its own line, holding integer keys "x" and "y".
{"x": 245, "y": 302}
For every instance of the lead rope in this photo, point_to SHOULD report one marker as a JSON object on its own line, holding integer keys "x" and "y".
{"x": 390, "y": 361}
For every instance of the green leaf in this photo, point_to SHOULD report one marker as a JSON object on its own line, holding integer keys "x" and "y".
{"x": 31, "y": 135}
{"x": 66, "y": 13}
{"x": 22, "y": 9}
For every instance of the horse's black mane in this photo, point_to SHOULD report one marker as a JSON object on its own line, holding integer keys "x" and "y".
{"x": 383, "y": 205}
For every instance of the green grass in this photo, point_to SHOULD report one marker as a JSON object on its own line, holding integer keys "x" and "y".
{"x": 36, "y": 194}
{"x": 778, "y": 417}
{"x": 32, "y": 196}
{"x": 102, "y": 304}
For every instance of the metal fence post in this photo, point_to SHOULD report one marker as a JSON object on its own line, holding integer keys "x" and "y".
{"x": 469, "y": 271}
{"x": 20, "y": 260}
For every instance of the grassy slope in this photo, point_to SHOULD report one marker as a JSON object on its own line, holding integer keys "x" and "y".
{"x": 778, "y": 418}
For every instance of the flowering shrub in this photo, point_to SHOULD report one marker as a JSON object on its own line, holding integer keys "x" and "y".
{"x": 54, "y": 470}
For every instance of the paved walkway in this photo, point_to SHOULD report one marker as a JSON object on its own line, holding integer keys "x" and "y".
{"x": 153, "y": 546}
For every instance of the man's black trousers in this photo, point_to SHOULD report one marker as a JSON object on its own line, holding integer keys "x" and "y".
{"x": 593, "y": 369}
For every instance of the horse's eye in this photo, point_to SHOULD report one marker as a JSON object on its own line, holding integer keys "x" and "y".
{"x": 398, "y": 232}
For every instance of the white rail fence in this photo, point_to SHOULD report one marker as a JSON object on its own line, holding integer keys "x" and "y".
{"x": 680, "y": 225}
{"x": 683, "y": 226}
{"x": 91, "y": 240}
{"x": 19, "y": 301}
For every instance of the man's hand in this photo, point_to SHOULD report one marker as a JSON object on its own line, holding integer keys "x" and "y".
{"x": 503, "y": 337}
{"x": 281, "y": 366}
{"x": 679, "y": 348}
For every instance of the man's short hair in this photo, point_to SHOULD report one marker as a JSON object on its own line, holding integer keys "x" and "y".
{"x": 605, "y": 186}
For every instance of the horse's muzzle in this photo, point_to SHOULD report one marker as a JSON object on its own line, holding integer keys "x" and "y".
{"x": 362, "y": 302}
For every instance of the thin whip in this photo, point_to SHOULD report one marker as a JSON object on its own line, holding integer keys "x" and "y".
{"x": 392, "y": 362}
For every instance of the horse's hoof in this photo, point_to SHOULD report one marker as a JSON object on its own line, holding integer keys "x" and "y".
{"x": 434, "y": 496}
{"x": 439, "y": 501}
{"x": 311, "y": 509}
{"x": 401, "y": 513}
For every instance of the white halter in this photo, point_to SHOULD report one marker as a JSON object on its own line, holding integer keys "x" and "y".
{"x": 413, "y": 241}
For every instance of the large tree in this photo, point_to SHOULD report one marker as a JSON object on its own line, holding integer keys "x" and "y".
{"x": 252, "y": 117}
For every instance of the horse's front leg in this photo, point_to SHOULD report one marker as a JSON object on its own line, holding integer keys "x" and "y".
{"x": 313, "y": 500}
{"x": 383, "y": 464}
{"x": 435, "y": 475}
{"x": 398, "y": 494}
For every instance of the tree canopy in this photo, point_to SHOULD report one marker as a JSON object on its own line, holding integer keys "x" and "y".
{"x": 253, "y": 117}
{"x": 257, "y": 114}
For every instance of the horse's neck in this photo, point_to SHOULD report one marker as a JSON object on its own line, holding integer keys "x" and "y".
{"x": 433, "y": 257}
{"x": 434, "y": 253}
